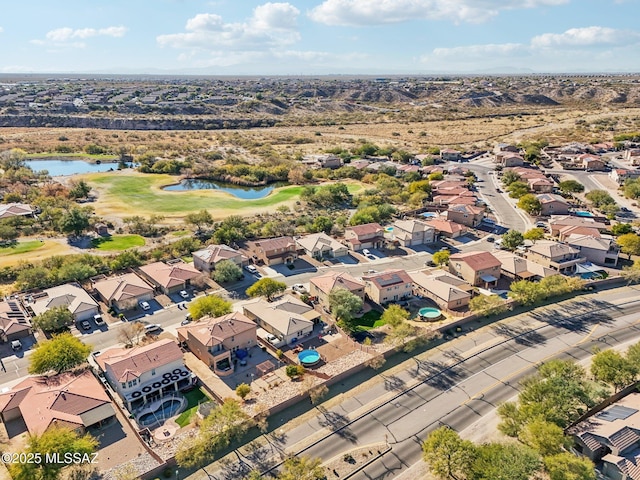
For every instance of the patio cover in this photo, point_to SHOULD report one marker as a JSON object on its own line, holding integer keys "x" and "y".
{"x": 488, "y": 278}
{"x": 265, "y": 367}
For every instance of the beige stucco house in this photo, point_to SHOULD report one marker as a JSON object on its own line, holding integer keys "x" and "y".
{"x": 480, "y": 269}
{"x": 388, "y": 286}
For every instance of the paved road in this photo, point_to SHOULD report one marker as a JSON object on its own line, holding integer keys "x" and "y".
{"x": 463, "y": 380}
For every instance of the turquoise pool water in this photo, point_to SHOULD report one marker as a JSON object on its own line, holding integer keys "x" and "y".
{"x": 428, "y": 312}
{"x": 308, "y": 357}
{"x": 582, "y": 213}
{"x": 167, "y": 409}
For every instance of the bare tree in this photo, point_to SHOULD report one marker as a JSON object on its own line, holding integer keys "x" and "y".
{"x": 131, "y": 333}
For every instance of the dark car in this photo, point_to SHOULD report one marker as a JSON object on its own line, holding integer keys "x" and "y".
{"x": 86, "y": 325}
{"x": 362, "y": 336}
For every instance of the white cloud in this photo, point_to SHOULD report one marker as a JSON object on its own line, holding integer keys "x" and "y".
{"x": 368, "y": 12}
{"x": 586, "y": 36}
{"x": 68, "y": 37}
{"x": 271, "y": 25}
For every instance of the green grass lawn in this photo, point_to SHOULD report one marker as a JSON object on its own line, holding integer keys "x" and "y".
{"x": 117, "y": 242}
{"x": 21, "y": 247}
{"x": 194, "y": 398}
{"x": 181, "y": 233}
{"x": 369, "y": 320}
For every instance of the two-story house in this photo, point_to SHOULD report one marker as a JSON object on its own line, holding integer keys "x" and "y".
{"x": 144, "y": 373}
{"x": 273, "y": 251}
{"x": 558, "y": 223}
{"x": 555, "y": 255}
{"x": 448, "y": 291}
{"x": 632, "y": 156}
{"x": 601, "y": 249}
{"x": 359, "y": 237}
{"x": 321, "y": 286}
{"x": 320, "y": 245}
{"x": 468, "y": 215}
{"x": 552, "y": 204}
{"x": 411, "y": 232}
{"x": 480, "y": 269}
{"x": 388, "y": 286}
{"x": 621, "y": 175}
{"x": 206, "y": 259}
{"x": 215, "y": 341}
{"x": 450, "y": 155}
{"x": 519, "y": 268}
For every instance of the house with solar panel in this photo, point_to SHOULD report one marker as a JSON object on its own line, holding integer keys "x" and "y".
{"x": 388, "y": 286}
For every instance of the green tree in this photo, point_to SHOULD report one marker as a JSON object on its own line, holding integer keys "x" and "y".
{"x": 497, "y": 461}
{"x": 567, "y": 466}
{"x": 631, "y": 273}
{"x": 243, "y": 390}
{"x": 322, "y": 223}
{"x": 487, "y": 305}
{"x": 224, "y": 424}
{"x": 266, "y": 287}
{"x": 441, "y": 257}
{"x": 629, "y": 244}
{"x": 571, "y": 186}
{"x": 530, "y": 204}
{"x": 419, "y": 186}
{"x": 227, "y": 271}
{"x": 126, "y": 259}
{"x": 394, "y": 315}
{"x": 294, "y": 371}
{"x": 518, "y": 189}
{"x": 211, "y": 305}
{"x": 75, "y": 220}
{"x": 447, "y": 455}
{"x": 621, "y": 229}
{"x": 512, "y": 240}
{"x": 599, "y": 198}
{"x": 302, "y": 468}
{"x": 62, "y": 352}
{"x": 75, "y": 271}
{"x": 534, "y": 234}
{"x": 633, "y": 355}
{"x": 54, "y": 440}
{"x": 199, "y": 220}
{"x": 8, "y": 232}
{"x": 54, "y": 319}
{"x": 545, "y": 438}
{"x": 510, "y": 176}
{"x": 400, "y": 334}
{"x": 612, "y": 368}
{"x": 344, "y": 305}
{"x": 79, "y": 189}
{"x": 526, "y": 292}
{"x": 435, "y": 176}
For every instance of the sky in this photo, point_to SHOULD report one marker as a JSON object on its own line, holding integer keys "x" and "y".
{"x": 319, "y": 37}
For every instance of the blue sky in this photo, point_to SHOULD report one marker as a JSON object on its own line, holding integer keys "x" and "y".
{"x": 234, "y": 37}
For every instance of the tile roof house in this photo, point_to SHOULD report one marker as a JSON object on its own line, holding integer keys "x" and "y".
{"x": 475, "y": 267}
{"x": 77, "y": 401}
{"x": 540, "y": 185}
{"x": 14, "y": 322}
{"x": 450, "y": 154}
{"x": 621, "y": 175}
{"x": 448, "y": 291}
{"x": 411, "y": 232}
{"x": 320, "y": 245}
{"x": 369, "y": 235}
{"x": 170, "y": 277}
{"x": 388, "y": 286}
{"x": 519, "y": 268}
{"x": 601, "y": 250}
{"x": 633, "y": 156}
{"x": 8, "y": 210}
{"x": 552, "y": 204}
{"x": 70, "y": 295}
{"x": 124, "y": 291}
{"x": 144, "y": 373}
{"x": 454, "y": 200}
{"x": 289, "y": 319}
{"x": 555, "y": 255}
{"x": 322, "y": 285}
{"x": 568, "y": 230}
{"x": 509, "y": 159}
{"x": 447, "y": 228}
{"x": 216, "y": 340}
{"x": 206, "y": 259}
{"x": 591, "y": 162}
{"x": 468, "y": 215}
{"x": 558, "y": 222}
{"x": 273, "y": 251}
{"x": 612, "y": 436}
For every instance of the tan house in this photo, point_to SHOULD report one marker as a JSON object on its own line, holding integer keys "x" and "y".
{"x": 552, "y": 204}
{"x": 540, "y": 185}
{"x": 77, "y": 401}
{"x": 288, "y": 319}
{"x": 412, "y": 232}
{"x": 555, "y": 255}
{"x": 621, "y": 175}
{"x": 273, "y": 251}
{"x": 320, "y": 245}
{"x": 632, "y": 156}
{"x": 601, "y": 250}
{"x": 206, "y": 259}
{"x": 388, "y": 286}
{"x": 505, "y": 148}
{"x": 590, "y": 162}
{"x": 447, "y": 228}
{"x": 450, "y": 154}
{"x": 145, "y": 373}
{"x": 215, "y": 341}
{"x": 519, "y": 268}
{"x": 14, "y": 322}
{"x": 123, "y": 292}
{"x": 448, "y": 291}
{"x": 467, "y": 215}
{"x": 480, "y": 269}
{"x": 509, "y": 159}
{"x": 569, "y": 230}
{"x": 70, "y": 295}
{"x": 170, "y": 277}
{"x": 369, "y": 235}
{"x": 321, "y": 286}
{"x": 557, "y": 223}
{"x": 8, "y": 210}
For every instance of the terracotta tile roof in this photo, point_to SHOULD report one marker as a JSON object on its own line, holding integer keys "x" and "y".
{"x": 271, "y": 244}
{"x": 551, "y": 197}
{"x": 565, "y": 220}
{"x": 214, "y": 331}
{"x": 15, "y": 209}
{"x": 129, "y": 363}
{"x": 168, "y": 276}
{"x": 466, "y": 209}
{"x": 62, "y": 399}
{"x": 578, "y": 230}
{"x": 387, "y": 278}
{"x": 70, "y": 295}
{"x": 216, "y": 253}
{"x": 122, "y": 287}
{"x": 552, "y": 249}
{"x": 412, "y": 226}
{"x": 366, "y": 229}
{"x": 440, "y": 286}
{"x": 330, "y": 280}
{"x": 476, "y": 260}
{"x": 447, "y": 226}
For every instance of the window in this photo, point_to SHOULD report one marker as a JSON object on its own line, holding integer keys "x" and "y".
{"x": 124, "y": 385}
{"x": 153, "y": 372}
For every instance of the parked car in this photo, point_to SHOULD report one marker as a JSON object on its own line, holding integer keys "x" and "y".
{"x": 184, "y": 294}
{"x": 152, "y": 327}
{"x": 145, "y": 305}
{"x": 298, "y": 287}
{"x": 85, "y": 325}
{"x": 16, "y": 345}
{"x": 98, "y": 319}
{"x": 366, "y": 252}
{"x": 251, "y": 269}
{"x": 187, "y": 319}
{"x": 490, "y": 239}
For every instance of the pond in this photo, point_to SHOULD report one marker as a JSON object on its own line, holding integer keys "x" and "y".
{"x": 69, "y": 167}
{"x": 245, "y": 193}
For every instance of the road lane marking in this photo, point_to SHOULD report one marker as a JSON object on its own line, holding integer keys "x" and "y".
{"x": 588, "y": 336}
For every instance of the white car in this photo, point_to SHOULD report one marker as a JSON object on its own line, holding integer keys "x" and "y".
{"x": 145, "y": 305}
{"x": 366, "y": 252}
{"x": 184, "y": 294}
{"x": 152, "y": 327}
{"x": 98, "y": 319}
{"x": 298, "y": 287}
{"x": 251, "y": 269}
